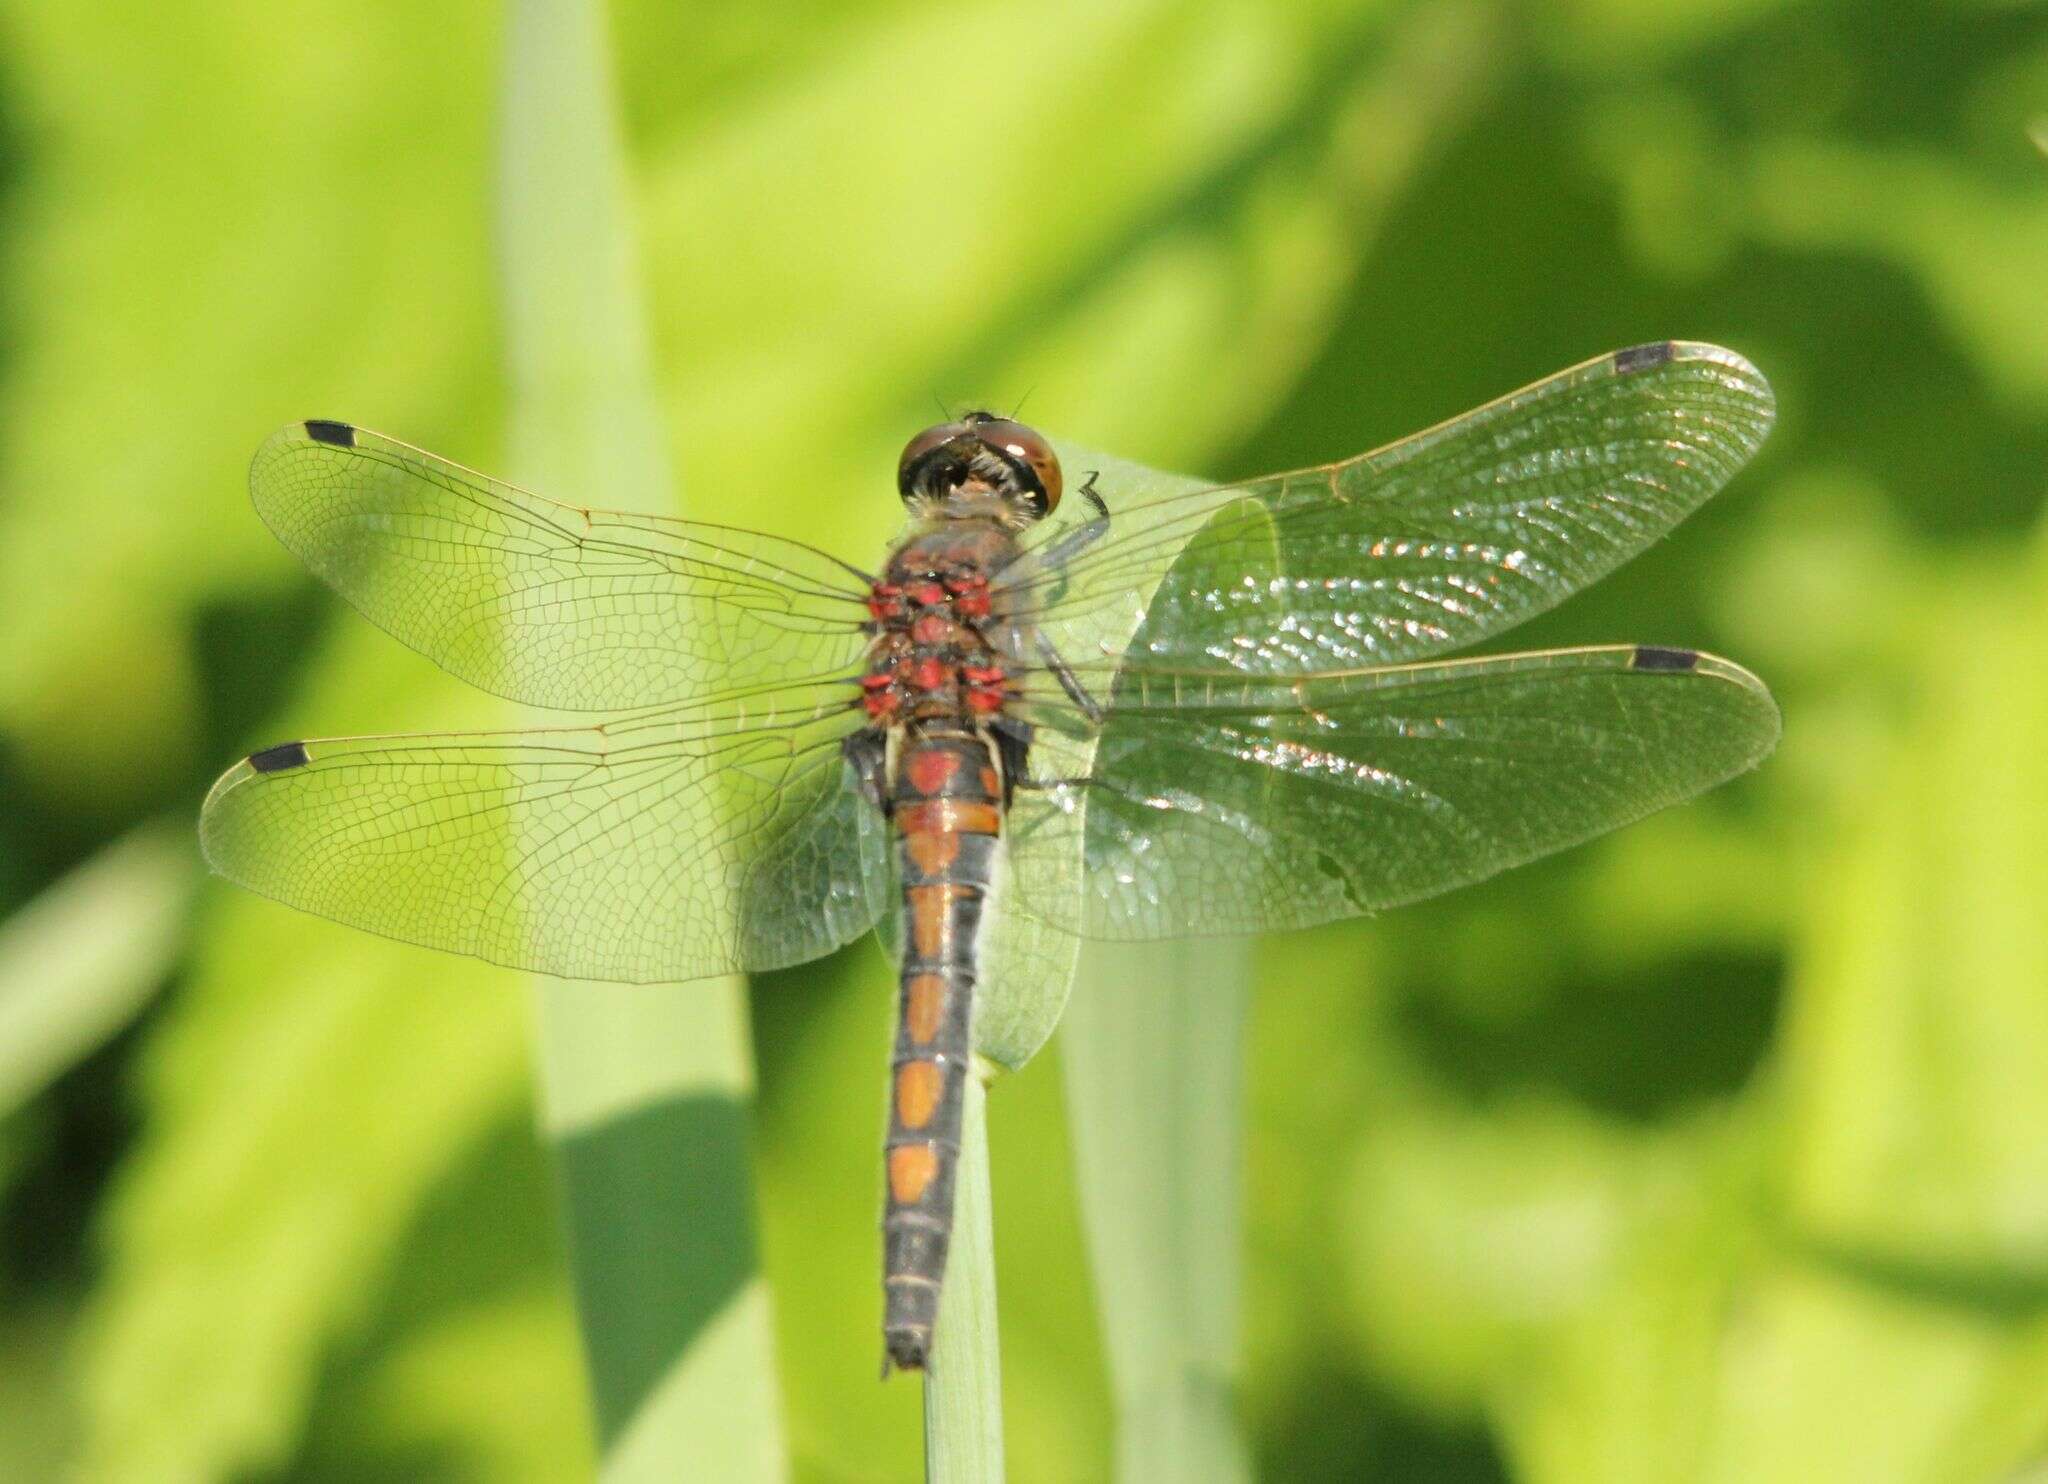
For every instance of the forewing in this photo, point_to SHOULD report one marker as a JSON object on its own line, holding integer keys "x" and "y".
{"x": 1222, "y": 805}
{"x": 583, "y": 610}
{"x": 1423, "y": 547}
{"x": 666, "y": 846}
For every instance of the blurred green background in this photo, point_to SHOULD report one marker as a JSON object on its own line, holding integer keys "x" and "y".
{"x": 1715, "y": 1151}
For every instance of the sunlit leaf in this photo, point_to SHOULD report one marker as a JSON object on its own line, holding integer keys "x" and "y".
{"x": 1917, "y": 1057}
{"x": 1154, "y": 1062}
{"x": 82, "y": 958}
{"x": 645, "y": 1091}
{"x": 326, "y": 235}
{"x": 294, "y": 1126}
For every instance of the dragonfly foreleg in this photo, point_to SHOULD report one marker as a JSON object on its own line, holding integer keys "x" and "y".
{"x": 1085, "y": 703}
{"x": 1060, "y": 785}
{"x": 1083, "y": 536}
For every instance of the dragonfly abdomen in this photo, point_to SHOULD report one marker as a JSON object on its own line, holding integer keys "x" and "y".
{"x": 947, "y": 812}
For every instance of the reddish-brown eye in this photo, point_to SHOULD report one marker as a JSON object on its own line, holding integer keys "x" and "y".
{"x": 915, "y": 450}
{"x": 1028, "y": 445}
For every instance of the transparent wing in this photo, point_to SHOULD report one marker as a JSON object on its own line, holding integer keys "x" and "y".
{"x": 584, "y": 610}
{"x": 1225, "y": 805}
{"x": 1425, "y": 546}
{"x": 668, "y": 845}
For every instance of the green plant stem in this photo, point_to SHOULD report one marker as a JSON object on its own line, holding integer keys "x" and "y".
{"x": 963, "y": 1389}
{"x": 646, "y": 1092}
{"x": 1153, "y": 1049}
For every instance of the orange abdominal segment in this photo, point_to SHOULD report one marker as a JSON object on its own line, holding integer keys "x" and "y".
{"x": 919, "y": 1085}
{"x": 912, "y": 1168}
{"x": 924, "y": 1000}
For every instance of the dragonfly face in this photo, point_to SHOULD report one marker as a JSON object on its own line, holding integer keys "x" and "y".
{"x": 784, "y": 750}
{"x": 980, "y": 465}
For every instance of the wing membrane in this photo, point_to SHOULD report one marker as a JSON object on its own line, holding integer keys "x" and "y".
{"x": 1423, "y": 547}
{"x": 1222, "y": 805}
{"x": 671, "y": 845}
{"x": 583, "y": 610}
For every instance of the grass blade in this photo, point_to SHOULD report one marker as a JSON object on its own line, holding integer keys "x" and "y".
{"x": 646, "y": 1092}
{"x": 78, "y": 962}
{"x": 963, "y": 1390}
{"x": 1153, "y": 1049}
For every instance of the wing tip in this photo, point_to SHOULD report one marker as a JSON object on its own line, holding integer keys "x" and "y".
{"x": 292, "y": 439}
{"x": 1735, "y": 372}
{"x": 1654, "y": 353}
{"x": 1657, "y": 659}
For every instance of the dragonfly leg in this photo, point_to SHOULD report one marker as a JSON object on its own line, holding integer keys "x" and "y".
{"x": 1013, "y": 745}
{"x": 867, "y": 753}
{"x": 1062, "y": 790}
{"x": 1083, "y": 536}
{"x": 1089, "y": 493}
{"x": 1069, "y": 681}
{"x": 1054, "y": 785}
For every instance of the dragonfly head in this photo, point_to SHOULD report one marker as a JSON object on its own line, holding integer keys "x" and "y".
{"x": 981, "y": 465}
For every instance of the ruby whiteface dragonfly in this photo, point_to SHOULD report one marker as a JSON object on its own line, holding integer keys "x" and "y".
{"x": 1132, "y": 714}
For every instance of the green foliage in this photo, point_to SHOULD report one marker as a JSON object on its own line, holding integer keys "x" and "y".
{"x": 1154, "y": 1060}
{"x": 645, "y": 1094}
{"x": 77, "y": 962}
{"x": 1707, "y": 1152}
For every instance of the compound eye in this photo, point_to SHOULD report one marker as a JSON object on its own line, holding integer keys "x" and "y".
{"x": 1028, "y": 446}
{"x": 921, "y": 447}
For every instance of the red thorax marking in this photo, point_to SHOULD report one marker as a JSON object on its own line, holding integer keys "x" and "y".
{"x": 885, "y": 600}
{"x": 984, "y": 686}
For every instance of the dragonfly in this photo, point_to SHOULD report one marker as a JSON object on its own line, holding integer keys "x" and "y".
{"x": 1216, "y": 709}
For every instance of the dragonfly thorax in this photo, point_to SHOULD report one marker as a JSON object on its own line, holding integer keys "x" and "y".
{"x": 933, "y": 616}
